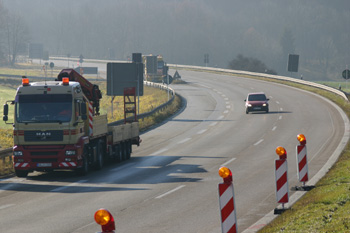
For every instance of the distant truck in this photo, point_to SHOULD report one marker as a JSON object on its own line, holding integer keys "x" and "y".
{"x": 155, "y": 69}
{"x": 57, "y": 125}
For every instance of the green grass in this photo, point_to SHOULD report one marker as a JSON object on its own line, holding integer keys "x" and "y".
{"x": 343, "y": 85}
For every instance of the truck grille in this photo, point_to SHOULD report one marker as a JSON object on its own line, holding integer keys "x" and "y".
{"x": 43, "y": 153}
{"x": 43, "y": 136}
{"x": 44, "y": 160}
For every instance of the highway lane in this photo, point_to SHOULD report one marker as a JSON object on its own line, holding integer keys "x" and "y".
{"x": 170, "y": 183}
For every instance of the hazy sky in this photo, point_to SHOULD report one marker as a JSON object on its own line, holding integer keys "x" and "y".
{"x": 184, "y": 30}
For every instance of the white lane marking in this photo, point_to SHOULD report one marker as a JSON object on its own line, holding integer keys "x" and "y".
{"x": 281, "y": 109}
{"x": 226, "y": 98}
{"x": 12, "y": 179}
{"x": 226, "y": 111}
{"x": 159, "y": 151}
{"x": 6, "y": 206}
{"x": 274, "y": 128}
{"x": 122, "y": 167}
{"x": 258, "y": 142}
{"x": 184, "y": 140}
{"x": 202, "y": 131}
{"x": 67, "y": 186}
{"x": 280, "y": 118}
{"x": 220, "y": 117}
{"x": 277, "y": 102}
{"x": 231, "y": 160}
{"x": 228, "y": 106}
{"x": 204, "y": 86}
{"x": 213, "y": 124}
{"x": 223, "y": 95}
{"x": 171, "y": 191}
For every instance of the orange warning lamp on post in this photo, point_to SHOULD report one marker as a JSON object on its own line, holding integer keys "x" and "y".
{"x": 226, "y": 174}
{"x": 301, "y": 138}
{"x": 281, "y": 152}
{"x": 104, "y": 218}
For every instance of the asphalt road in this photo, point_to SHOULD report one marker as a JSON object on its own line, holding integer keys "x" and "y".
{"x": 170, "y": 183}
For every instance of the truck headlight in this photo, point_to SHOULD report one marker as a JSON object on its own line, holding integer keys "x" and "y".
{"x": 70, "y": 152}
{"x": 18, "y": 153}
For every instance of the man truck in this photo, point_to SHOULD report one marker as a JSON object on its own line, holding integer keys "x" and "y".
{"x": 57, "y": 125}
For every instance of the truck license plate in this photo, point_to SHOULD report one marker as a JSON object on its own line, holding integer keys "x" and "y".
{"x": 44, "y": 164}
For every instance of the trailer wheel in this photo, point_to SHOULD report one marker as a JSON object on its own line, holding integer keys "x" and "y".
{"x": 128, "y": 150}
{"x": 118, "y": 156}
{"x": 20, "y": 173}
{"x": 99, "y": 151}
{"x": 124, "y": 151}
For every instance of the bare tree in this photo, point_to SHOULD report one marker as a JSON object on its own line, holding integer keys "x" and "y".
{"x": 2, "y": 10}
{"x": 16, "y": 35}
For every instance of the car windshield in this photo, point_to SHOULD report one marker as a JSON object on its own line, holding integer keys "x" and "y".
{"x": 257, "y": 97}
{"x": 43, "y": 108}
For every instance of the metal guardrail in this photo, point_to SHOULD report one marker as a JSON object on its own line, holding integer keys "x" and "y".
{"x": 8, "y": 152}
{"x": 277, "y": 77}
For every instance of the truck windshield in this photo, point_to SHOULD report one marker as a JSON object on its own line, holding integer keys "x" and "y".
{"x": 43, "y": 108}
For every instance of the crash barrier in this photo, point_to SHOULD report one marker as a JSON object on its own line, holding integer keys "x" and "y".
{"x": 227, "y": 202}
{"x": 277, "y": 77}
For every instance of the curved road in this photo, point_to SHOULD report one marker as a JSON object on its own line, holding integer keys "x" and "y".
{"x": 170, "y": 183}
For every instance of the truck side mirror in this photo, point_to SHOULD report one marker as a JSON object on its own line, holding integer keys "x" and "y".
{"x": 83, "y": 111}
{"x": 6, "y": 112}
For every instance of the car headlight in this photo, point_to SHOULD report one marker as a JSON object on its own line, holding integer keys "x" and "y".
{"x": 18, "y": 153}
{"x": 70, "y": 152}
{"x": 249, "y": 105}
{"x": 264, "y": 105}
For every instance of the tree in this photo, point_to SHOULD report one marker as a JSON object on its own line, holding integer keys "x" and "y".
{"x": 2, "y": 10}
{"x": 16, "y": 35}
{"x": 249, "y": 64}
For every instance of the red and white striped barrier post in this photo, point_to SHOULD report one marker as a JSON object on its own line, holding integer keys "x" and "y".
{"x": 227, "y": 202}
{"x": 303, "y": 170}
{"x": 281, "y": 175}
{"x": 104, "y": 218}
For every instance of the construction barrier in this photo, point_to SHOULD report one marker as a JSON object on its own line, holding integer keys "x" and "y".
{"x": 227, "y": 202}
{"x": 303, "y": 170}
{"x": 281, "y": 175}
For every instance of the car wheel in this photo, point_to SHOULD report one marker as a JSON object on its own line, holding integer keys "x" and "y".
{"x": 246, "y": 111}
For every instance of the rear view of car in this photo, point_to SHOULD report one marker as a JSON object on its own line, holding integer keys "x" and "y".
{"x": 256, "y": 102}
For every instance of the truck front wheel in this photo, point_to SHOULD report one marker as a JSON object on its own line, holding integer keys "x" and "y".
{"x": 99, "y": 157}
{"x": 21, "y": 173}
{"x": 84, "y": 170}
